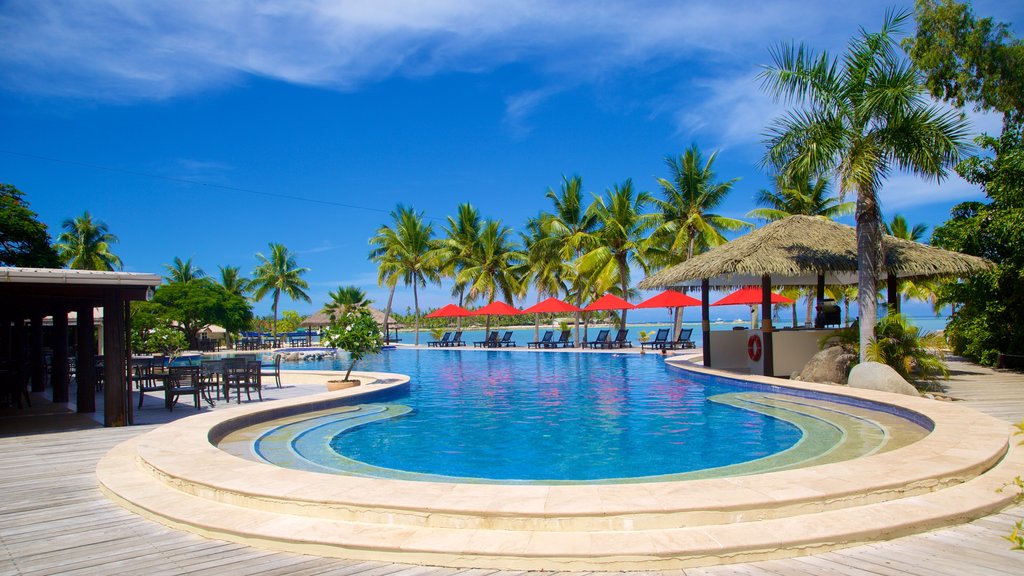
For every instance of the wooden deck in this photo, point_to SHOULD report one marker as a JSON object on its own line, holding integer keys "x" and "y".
{"x": 54, "y": 520}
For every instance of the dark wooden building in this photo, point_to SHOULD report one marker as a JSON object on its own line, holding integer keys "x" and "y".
{"x": 33, "y": 357}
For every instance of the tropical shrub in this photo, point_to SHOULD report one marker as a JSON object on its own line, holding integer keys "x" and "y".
{"x": 355, "y": 332}
{"x": 900, "y": 344}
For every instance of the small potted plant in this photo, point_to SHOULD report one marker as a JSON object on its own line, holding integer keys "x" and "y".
{"x": 356, "y": 332}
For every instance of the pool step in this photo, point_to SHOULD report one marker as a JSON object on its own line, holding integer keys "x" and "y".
{"x": 628, "y": 548}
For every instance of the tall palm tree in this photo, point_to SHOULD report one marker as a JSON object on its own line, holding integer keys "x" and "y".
{"x": 542, "y": 264}
{"x": 183, "y": 271}
{"x": 572, "y": 226}
{"x": 279, "y": 273}
{"x": 346, "y": 299}
{"x": 232, "y": 280}
{"x": 622, "y": 224}
{"x": 899, "y": 228}
{"x": 405, "y": 252}
{"x": 862, "y": 116}
{"x": 461, "y": 237}
{"x": 799, "y": 194}
{"x": 85, "y": 244}
{"x": 490, "y": 270}
{"x": 688, "y": 222}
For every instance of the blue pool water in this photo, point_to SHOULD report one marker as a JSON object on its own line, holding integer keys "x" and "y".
{"x": 521, "y": 416}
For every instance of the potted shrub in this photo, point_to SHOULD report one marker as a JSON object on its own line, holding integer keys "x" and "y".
{"x": 643, "y": 338}
{"x": 356, "y": 332}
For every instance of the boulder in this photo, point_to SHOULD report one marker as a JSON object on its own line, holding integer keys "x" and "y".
{"x": 877, "y": 376}
{"x": 829, "y": 366}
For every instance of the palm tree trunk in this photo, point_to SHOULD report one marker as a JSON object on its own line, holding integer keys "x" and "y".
{"x": 794, "y": 314}
{"x": 536, "y": 321}
{"x": 623, "y": 270}
{"x": 416, "y": 303}
{"x": 808, "y": 321}
{"x": 869, "y": 255}
{"x": 277, "y": 295}
{"x": 387, "y": 311}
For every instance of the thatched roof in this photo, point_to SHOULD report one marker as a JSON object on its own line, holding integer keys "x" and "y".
{"x": 322, "y": 318}
{"x": 796, "y": 249}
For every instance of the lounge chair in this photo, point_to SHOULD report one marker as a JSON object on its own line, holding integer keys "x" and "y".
{"x": 444, "y": 341}
{"x": 620, "y": 340}
{"x": 683, "y": 341}
{"x": 456, "y": 340}
{"x": 660, "y": 340}
{"x": 563, "y": 341}
{"x": 506, "y": 340}
{"x": 490, "y": 342}
{"x": 601, "y": 341}
{"x": 544, "y": 342}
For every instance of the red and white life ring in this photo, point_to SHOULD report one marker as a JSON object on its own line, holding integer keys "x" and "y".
{"x": 754, "y": 347}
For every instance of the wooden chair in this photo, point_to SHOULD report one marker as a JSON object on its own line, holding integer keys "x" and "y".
{"x": 184, "y": 381}
{"x": 244, "y": 375}
{"x": 272, "y": 370}
{"x": 148, "y": 377}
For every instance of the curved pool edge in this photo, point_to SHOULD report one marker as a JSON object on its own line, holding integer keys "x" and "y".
{"x": 458, "y": 524}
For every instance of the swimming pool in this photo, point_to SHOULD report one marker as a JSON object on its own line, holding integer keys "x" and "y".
{"x": 500, "y": 416}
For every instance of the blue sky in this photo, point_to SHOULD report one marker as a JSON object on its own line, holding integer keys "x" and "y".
{"x": 207, "y": 130}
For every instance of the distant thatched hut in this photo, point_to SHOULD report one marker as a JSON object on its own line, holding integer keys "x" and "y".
{"x": 322, "y": 318}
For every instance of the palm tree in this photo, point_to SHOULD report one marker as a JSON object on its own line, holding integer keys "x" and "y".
{"x": 798, "y": 194}
{"x": 232, "y": 280}
{"x": 279, "y": 273}
{"x": 490, "y": 270}
{"x": 843, "y": 294}
{"x": 620, "y": 234}
{"x": 688, "y": 223}
{"x": 542, "y": 264}
{"x": 85, "y": 245}
{"x": 572, "y": 227}
{"x": 861, "y": 116}
{"x": 183, "y": 271}
{"x": 346, "y": 299}
{"x": 405, "y": 252}
{"x": 461, "y": 237}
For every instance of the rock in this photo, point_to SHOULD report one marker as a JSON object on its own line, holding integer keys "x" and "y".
{"x": 830, "y": 365}
{"x": 877, "y": 376}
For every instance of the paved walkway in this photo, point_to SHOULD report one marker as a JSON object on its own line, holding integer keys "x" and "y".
{"x": 54, "y": 520}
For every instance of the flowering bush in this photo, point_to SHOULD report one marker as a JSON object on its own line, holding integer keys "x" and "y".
{"x": 356, "y": 332}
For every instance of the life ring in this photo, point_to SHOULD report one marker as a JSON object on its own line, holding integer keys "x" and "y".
{"x": 754, "y": 347}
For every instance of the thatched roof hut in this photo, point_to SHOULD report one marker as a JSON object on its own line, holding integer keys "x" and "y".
{"x": 322, "y": 318}
{"x": 795, "y": 250}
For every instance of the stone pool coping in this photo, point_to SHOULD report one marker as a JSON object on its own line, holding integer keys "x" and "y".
{"x": 962, "y": 447}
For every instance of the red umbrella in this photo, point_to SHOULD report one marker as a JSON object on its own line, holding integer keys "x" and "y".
{"x": 751, "y": 295}
{"x": 497, "y": 308}
{"x": 669, "y": 299}
{"x": 449, "y": 311}
{"x": 609, "y": 302}
{"x": 551, "y": 305}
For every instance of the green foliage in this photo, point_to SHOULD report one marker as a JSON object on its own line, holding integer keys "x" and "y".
{"x": 200, "y": 302}
{"x": 644, "y": 336}
{"x": 990, "y": 314}
{"x": 437, "y": 333}
{"x": 967, "y": 59}
{"x": 900, "y": 344}
{"x": 164, "y": 340}
{"x": 1017, "y": 536}
{"x": 276, "y": 274}
{"x": 355, "y": 332}
{"x": 289, "y": 321}
{"x": 183, "y": 271}
{"x": 24, "y": 240}
{"x": 346, "y": 299}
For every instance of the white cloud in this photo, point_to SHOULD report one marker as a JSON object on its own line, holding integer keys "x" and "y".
{"x": 519, "y": 107}
{"x": 137, "y": 49}
{"x": 902, "y": 191}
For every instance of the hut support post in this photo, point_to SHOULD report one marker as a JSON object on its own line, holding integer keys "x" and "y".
{"x": 766, "y": 325}
{"x": 705, "y": 319}
{"x": 86, "y": 394}
{"x": 59, "y": 365}
{"x": 893, "y": 286}
{"x": 37, "y": 365}
{"x": 114, "y": 413}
